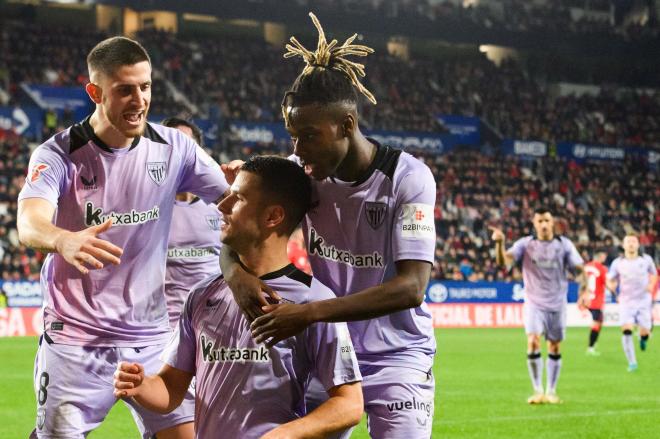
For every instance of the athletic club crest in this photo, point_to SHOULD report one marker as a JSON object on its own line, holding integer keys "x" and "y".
{"x": 375, "y": 213}
{"x": 157, "y": 171}
{"x": 213, "y": 222}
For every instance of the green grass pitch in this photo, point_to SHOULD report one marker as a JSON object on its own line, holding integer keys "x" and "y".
{"x": 482, "y": 386}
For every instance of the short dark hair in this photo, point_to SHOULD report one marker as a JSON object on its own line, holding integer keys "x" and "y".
{"x": 174, "y": 122}
{"x": 541, "y": 210}
{"x": 285, "y": 182}
{"x": 115, "y": 52}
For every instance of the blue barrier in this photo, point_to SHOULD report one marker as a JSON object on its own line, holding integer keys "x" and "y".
{"x": 22, "y": 294}
{"x": 482, "y": 292}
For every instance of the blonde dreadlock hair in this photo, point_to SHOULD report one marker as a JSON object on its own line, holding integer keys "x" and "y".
{"x": 328, "y": 76}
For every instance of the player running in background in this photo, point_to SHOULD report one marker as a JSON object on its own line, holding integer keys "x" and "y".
{"x": 635, "y": 276}
{"x": 194, "y": 243}
{"x": 370, "y": 237}
{"x": 546, "y": 259}
{"x": 594, "y": 299}
{"x": 245, "y": 390}
{"x": 99, "y": 198}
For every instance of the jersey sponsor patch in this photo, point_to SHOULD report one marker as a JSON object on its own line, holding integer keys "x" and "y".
{"x": 95, "y": 216}
{"x": 224, "y": 354}
{"x": 37, "y": 170}
{"x": 317, "y": 246}
{"x": 191, "y": 252}
{"x": 418, "y": 221}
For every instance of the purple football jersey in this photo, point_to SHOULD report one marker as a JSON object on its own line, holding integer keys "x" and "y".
{"x": 242, "y": 388}
{"x": 192, "y": 252}
{"x": 545, "y": 266}
{"x": 357, "y": 232}
{"x": 633, "y": 277}
{"x": 89, "y": 182}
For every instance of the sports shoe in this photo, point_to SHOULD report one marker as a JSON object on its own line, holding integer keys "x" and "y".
{"x": 593, "y": 352}
{"x": 642, "y": 343}
{"x": 632, "y": 367}
{"x": 552, "y": 398}
{"x": 536, "y": 398}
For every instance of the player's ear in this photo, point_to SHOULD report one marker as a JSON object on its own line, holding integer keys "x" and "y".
{"x": 348, "y": 125}
{"x": 274, "y": 215}
{"x": 94, "y": 92}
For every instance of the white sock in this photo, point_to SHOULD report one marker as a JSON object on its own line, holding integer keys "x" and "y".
{"x": 629, "y": 348}
{"x": 535, "y": 368}
{"x": 554, "y": 367}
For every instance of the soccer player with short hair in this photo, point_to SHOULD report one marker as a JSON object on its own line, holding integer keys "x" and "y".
{"x": 194, "y": 242}
{"x": 594, "y": 299}
{"x": 244, "y": 389}
{"x": 546, "y": 259}
{"x": 370, "y": 238}
{"x": 635, "y": 276}
{"x": 99, "y": 198}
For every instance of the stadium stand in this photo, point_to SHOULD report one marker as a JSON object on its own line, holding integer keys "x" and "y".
{"x": 243, "y": 79}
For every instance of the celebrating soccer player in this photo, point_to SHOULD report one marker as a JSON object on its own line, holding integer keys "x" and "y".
{"x": 99, "y": 199}
{"x": 594, "y": 299}
{"x": 546, "y": 259}
{"x": 244, "y": 389}
{"x": 370, "y": 237}
{"x": 635, "y": 275}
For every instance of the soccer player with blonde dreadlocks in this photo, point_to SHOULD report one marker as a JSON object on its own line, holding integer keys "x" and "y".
{"x": 370, "y": 238}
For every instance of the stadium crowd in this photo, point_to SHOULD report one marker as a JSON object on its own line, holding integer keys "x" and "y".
{"x": 244, "y": 79}
{"x": 594, "y": 204}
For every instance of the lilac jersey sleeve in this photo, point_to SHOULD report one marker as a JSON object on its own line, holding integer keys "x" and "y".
{"x": 181, "y": 350}
{"x": 613, "y": 272}
{"x": 573, "y": 256}
{"x": 200, "y": 174}
{"x": 47, "y": 175}
{"x": 330, "y": 348}
{"x": 650, "y": 268}
{"x": 414, "y": 236}
{"x": 517, "y": 250}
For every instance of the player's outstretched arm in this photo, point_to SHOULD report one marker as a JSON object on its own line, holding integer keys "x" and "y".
{"x": 405, "y": 290}
{"x": 341, "y": 411}
{"x": 247, "y": 289}
{"x": 160, "y": 393}
{"x": 81, "y": 249}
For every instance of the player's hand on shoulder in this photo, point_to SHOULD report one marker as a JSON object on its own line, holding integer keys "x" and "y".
{"x": 498, "y": 235}
{"x": 127, "y": 379}
{"x": 251, "y": 293}
{"x": 84, "y": 250}
{"x": 280, "y": 322}
{"x": 231, "y": 170}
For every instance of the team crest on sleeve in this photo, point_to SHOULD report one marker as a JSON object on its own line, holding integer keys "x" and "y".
{"x": 157, "y": 171}
{"x": 418, "y": 221}
{"x": 37, "y": 170}
{"x": 213, "y": 222}
{"x": 375, "y": 212}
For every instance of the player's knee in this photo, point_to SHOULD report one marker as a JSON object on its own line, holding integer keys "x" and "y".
{"x": 627, "y": 332}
